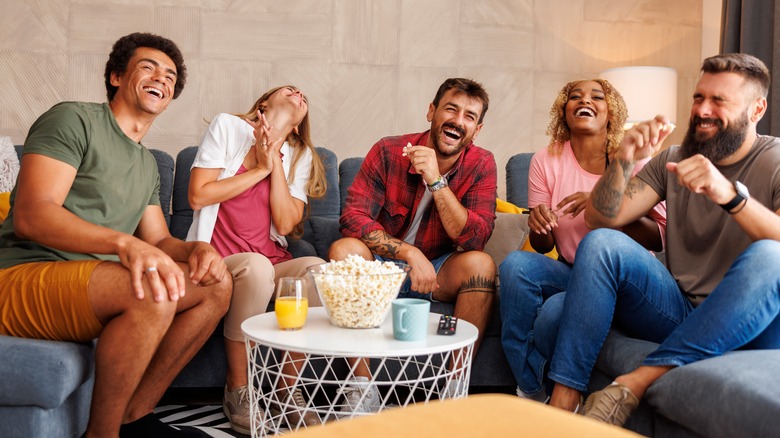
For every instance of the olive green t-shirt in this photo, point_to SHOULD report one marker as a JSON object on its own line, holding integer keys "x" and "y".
{"x": 116, "y": 177}
{"x": 702, "y": 239}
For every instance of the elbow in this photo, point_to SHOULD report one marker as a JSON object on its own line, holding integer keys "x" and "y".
{"x": 195, "y": 202}
{"x": 285, "y": 229}
{"x": 23, "y": 225}
{"x": 595, "y": 220}
{"x": 590, "y": 222}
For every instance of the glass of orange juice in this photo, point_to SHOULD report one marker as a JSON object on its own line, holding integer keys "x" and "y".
{"x": 291, "y": 306}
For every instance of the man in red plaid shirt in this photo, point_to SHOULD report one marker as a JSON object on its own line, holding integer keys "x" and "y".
{"x": 428, "y": 200}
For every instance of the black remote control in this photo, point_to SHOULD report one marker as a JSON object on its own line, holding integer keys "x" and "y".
{"x": 447, "y": 325}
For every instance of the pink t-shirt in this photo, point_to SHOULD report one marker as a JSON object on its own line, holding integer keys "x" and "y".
{"x": 244, "y": 224}
{"x": 554, "y": 177}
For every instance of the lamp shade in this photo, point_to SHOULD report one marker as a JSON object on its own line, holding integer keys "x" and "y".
{"x": 648, "y": 91}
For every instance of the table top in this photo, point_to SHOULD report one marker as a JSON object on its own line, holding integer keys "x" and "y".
{"x": 319, "y": 336}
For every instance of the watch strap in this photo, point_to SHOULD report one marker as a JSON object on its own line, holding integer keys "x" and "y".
{"x": 437, "y": 185}
{"x": 738, "y": 198}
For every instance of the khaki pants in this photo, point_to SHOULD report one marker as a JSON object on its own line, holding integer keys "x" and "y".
{"x": 254, "y": 280}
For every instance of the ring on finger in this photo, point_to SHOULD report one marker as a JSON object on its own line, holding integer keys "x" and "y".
{"x": 151, "y": 269}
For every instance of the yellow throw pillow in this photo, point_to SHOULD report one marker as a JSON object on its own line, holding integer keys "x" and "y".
{"x": 506, "y": 207}
{"x": 5, "y": 205}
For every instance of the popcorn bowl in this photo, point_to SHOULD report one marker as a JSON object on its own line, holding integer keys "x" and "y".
{"x": 357, "y": 293}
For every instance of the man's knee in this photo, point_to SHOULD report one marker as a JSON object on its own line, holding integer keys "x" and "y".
{"x": 343, "y": 247}
{"x": 764, "y": 250}
{"x": 477, "y": 271}
{"x": 605, "y": 242}
{"x": 480, "y": 263}
{"x": 223, "y": 291}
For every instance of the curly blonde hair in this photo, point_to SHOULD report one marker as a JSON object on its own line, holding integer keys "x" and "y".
{"x": 558, "y": 130}
{"x": 299, "y": 141}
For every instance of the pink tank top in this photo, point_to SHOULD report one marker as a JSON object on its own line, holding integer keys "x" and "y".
{"x": 244, "y": 224}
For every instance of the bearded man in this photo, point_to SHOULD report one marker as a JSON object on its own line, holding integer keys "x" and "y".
{"x": 429, "y": 200}
{"x": 720, "y": 288}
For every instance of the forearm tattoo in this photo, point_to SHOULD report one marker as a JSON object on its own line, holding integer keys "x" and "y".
{"x": 635, "y": 185}
{"x": 607, "y": 195}
{"x": 383, "y": 244}
{"x": 478, "y": 284}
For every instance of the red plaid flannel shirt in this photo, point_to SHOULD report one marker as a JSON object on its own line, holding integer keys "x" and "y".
{"x": 387, "y": 190}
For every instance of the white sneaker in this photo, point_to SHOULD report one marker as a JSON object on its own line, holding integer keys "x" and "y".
{"x": 457, "y": 387}
{"x": 540, "y": 396}
{"x": 360, "y": 396}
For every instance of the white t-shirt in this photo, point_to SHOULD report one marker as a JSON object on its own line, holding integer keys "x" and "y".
{"x": 224, "y": 146}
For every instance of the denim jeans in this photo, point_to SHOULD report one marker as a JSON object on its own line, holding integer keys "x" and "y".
{"x": 615, "y": 281}
{"x": 406, "y": 287}
{"x": 527, "y": 280}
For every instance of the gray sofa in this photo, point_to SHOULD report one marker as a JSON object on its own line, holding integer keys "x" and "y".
{"x": 45, "y": 386}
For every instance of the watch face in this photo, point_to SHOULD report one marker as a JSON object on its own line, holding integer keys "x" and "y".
{"x": 741, "y": 189}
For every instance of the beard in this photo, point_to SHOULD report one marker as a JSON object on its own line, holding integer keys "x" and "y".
{"x": 446, "y": 151}
{"x": 722, "y": 144}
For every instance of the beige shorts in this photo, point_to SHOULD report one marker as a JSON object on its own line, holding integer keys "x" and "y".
{"x": 48, "y": 300}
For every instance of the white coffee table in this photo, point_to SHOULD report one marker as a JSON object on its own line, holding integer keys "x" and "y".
{"x": 404, "y": 372}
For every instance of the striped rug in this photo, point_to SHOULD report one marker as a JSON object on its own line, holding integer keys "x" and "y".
{"x": 208, "y": 419}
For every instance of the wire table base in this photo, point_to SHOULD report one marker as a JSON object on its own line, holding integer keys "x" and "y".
{"x": 408, "y": 375}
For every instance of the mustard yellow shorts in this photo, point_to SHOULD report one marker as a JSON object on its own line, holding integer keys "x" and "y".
{"x": 48, "y": 300}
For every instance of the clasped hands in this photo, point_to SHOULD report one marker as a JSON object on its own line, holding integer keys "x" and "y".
{"x": 266, "y": 148}
{"x": 164, "y": 276}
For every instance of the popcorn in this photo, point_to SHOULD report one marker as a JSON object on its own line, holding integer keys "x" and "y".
{"x": 357, "y": 293}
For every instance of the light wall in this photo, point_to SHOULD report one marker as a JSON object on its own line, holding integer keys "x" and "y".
{"x": 369, "y": 67}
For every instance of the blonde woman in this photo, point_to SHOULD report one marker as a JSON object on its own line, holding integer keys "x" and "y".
{"x": 586, "y": 127}
{"x": 251, "y": 178}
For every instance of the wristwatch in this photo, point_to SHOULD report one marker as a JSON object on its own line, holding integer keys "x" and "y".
{"x": 437, "y": 185}
{"x": 742, "y": 194}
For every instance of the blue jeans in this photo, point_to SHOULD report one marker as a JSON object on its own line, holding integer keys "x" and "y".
{"x": 528, "y": 280}
{"x": 406, "y": 288}
{"x": 616, "y": 281}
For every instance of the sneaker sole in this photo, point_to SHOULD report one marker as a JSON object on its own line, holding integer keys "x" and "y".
{"x": 234, "y": 426}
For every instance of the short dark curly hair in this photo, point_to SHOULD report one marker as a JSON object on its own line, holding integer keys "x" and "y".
{"x": 471, "y": 88}
{"x": 124, "y": 49}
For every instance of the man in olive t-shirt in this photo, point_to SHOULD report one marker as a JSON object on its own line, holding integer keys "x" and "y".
{"x": 85, "y": 252}
{"x": 720, "y": 290}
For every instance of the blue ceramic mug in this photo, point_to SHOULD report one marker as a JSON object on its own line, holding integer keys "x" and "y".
{"x": 410, "y": 319}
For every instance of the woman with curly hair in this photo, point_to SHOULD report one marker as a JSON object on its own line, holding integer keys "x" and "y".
{"x": 586, "y": 127}
{"x": 251, "y": 178}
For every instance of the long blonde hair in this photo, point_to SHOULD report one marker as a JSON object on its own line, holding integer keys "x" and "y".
{"x": 299, "y": 141}
{"x": 559, "y": 131}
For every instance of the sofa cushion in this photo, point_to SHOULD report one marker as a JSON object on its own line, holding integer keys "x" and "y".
{"x": 5, "y": 205}
{"x": 509, "y": 234}
{"x": 517, "y": 179}
{"x": 348, "y": 169}
{"x": 328, "y": 205}
{"x": 165, "y": 168}
{"x": 181, "y": 213}
{"x": 724, "y": 396}
{"x": 42, "y": 373}
{"x": 325, "y": 232}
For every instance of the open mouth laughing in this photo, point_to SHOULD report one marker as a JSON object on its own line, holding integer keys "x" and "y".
{"x": 452, "y": 132}
{"x": 155, "y": 92}
{"x": 584, "y": 112}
